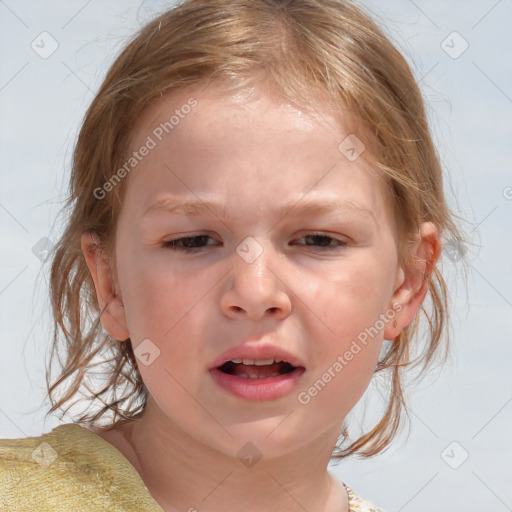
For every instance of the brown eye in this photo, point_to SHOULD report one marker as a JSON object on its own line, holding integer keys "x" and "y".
{"x": 188, "y": 243}
{"x": 323, "y": 241}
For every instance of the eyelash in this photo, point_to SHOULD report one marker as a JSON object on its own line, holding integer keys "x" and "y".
{"x": 173, "y": 244}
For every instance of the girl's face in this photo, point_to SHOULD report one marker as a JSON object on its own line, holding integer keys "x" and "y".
{"x": 251, "y": 230}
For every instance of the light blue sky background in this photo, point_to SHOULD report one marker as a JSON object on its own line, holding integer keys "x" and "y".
{"x": 469, "y": 99}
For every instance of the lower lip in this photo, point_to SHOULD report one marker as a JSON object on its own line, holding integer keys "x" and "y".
{"x": 257, "y": 390}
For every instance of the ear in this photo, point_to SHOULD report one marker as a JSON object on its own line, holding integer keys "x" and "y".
{"x": 413, "y": 282}
{"x": 112, "y": 313}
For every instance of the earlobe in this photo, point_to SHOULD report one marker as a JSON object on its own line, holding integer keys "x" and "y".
{"x": 414, "y": 281}
{"x": 113, "y": 316}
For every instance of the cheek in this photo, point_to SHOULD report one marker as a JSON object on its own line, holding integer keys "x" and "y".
{"x": 345, "y": 362}
{"x": 168, "y": 305}
{"x": 350, "y": 306}
{"x": 350, "y": 299}
{"x": 334, "y": 392}
{"x": 159, "y": 296}
{"x": 165, "y": 306}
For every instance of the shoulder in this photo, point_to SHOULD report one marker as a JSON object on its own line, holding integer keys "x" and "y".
{"x": 69, "y": 468}
{"x": 357, "y": 504}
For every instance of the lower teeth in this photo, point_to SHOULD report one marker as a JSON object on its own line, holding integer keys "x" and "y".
{"x": 255, "y": 371}
{"x": 245, "y": 376}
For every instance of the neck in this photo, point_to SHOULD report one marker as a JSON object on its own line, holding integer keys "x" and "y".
{"x": 183, "y": 474}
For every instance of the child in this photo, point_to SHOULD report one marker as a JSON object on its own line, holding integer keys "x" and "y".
{"x": 256, "y": 215}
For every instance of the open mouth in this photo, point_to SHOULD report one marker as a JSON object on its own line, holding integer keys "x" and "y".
{"x": 270, "y": 377}
{"x": 256, "y": 369}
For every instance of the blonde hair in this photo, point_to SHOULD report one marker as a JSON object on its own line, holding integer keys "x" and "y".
{"x": 327, "y": 48}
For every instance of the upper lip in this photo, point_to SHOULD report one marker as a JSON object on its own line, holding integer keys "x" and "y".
{"x": 254, "y": 352}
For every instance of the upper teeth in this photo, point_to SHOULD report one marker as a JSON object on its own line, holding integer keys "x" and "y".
{"x": 257, "y": 362}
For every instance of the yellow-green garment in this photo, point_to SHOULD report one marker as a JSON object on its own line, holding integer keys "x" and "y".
{"x": 71, "y": 469}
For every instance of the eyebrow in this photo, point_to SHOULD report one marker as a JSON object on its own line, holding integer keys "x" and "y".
{"x": 175, "y": 205}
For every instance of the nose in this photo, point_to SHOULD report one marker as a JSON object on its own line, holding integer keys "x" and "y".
{"x": 256, "y": 289}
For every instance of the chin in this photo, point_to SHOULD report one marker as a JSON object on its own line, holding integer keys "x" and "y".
{"x": 268, "y": 438}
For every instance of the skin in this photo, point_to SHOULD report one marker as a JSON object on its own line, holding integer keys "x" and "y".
{"x": 253, "y": 157}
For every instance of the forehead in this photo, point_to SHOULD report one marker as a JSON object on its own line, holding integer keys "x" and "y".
{"x": 246, "y": 151}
